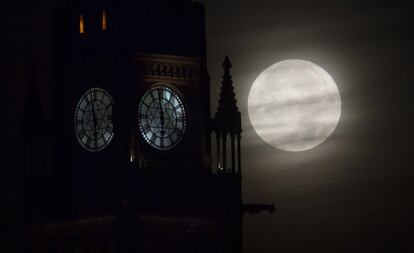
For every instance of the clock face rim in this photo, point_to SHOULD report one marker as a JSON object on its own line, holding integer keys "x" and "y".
{"x": 78, "y": 106}
{"x": 177, "y": 94}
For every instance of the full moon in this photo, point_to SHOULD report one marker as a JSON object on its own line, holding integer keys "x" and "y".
{"x": 294, "y": 105}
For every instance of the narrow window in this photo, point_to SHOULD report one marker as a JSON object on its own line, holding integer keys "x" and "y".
{"x": 104, "y": 21}
{"x": 81, "y": 24}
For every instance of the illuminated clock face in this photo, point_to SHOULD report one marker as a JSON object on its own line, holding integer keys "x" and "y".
{"x": 161, "y": 117}
{"x": 93, "y": 120}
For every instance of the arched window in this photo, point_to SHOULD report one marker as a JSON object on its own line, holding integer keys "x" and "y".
{"x": 81, "y": 24}
{"x": 104, "y": 20}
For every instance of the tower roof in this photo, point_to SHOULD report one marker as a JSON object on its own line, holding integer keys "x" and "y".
{"x": 227, "y": 101}
{"x": 228, "y": 115}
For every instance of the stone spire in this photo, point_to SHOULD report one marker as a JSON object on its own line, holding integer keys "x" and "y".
{"x": 227, "y": 123}
{"x": 227, "y": 113}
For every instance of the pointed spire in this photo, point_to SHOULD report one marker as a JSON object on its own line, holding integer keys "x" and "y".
{"x": 228, "y": 115}
{"x": 227, "y": 124}
{"x": 227, "y": 101}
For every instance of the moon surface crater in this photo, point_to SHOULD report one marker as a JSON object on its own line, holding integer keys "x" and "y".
{"x": 294, "y": 105}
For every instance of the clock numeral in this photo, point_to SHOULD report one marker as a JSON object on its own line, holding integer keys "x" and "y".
{"x": 178, "y": 132}
{"x": 107, "y": 136}
{"x": 162, "y": 142}
{"x": 142, "y": 116}
{"x": 146, "y": 129}
{"x": 153, "y": 138}
{"x": 109, "y": 129}
{"x": 170, "y": 138}
{"x": 144, "y": 106}
{"x": 88, "y": 142}
{"x": 169, "y": 95}
{"x": 80, "y": 109}
{"x": 107, "y": 100}
{"x": 180, "y": 120}
{"x": 159, "y": 93}
{"x": 173, "y": 137}
{"x": 99, "y": 95}
{"x": 82, "y": 133}
{"x": 79, "y": 122}
{"x": 89, "y": 97}
{"x": 152, "y": 95}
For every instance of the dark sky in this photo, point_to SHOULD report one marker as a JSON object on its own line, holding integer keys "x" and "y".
{"x": 353, "y": 193}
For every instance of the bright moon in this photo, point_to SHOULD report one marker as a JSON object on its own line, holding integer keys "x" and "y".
{"x": 294, "y": 105}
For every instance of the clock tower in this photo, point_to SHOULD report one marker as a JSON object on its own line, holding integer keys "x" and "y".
{"x": 131, "y": 166}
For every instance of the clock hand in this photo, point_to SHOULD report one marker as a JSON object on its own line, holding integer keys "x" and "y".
{"x": 161, "y": 113}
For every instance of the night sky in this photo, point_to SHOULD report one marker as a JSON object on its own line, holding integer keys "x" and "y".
{"x": 354, "y": 192}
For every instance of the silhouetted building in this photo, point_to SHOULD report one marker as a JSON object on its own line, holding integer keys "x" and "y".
{"x": 125, "y": 162}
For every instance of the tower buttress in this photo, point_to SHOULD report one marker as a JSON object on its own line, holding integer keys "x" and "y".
{"x": 34, "y": 143}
